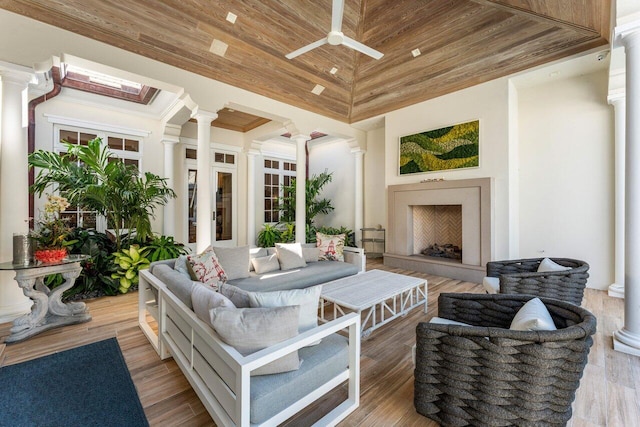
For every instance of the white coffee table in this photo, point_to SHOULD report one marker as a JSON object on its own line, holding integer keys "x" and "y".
{"x": 382, "y": 296}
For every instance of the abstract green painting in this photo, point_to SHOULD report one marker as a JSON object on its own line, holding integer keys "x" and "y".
{"x": 451, "y": 147}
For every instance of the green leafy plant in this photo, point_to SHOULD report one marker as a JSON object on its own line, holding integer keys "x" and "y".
{"x": 288, "y": 234}
{"x": 314, "y": 205}
{"x": 164, "y": 247}
{"x": 269, "y": 235}
{"x": 129, "y": 262}
{"x": 112, "y": 188}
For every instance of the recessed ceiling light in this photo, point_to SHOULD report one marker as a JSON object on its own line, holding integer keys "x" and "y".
{"x": 231, "y": 17}
{"x": 231, "y": 110}
{"x": 415, "y": 52}
{"x": 333, "y": 70}
{"x": 317, "y": 90}
{"x": 218, "y": 47}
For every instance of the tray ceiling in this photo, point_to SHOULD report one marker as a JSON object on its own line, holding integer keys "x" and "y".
{"x": 462, "y": 43}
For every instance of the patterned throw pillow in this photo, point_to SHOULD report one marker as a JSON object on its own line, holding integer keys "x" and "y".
{"x": 206, "y": 268}
{"x": 331, "y": 247}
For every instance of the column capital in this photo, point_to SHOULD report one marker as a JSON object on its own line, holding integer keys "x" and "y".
{"x": 16, "y": 74}
{"x": 299, "y": 136}
{"x": 627, "y": 35}
{"x": 203, "y": 116}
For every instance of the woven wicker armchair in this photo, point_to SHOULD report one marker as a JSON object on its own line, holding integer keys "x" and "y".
{"x": 488, "y": 375}
{"x": 520, "y": 276}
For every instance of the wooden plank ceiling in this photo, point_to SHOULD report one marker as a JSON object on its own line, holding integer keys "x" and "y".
{"x": 463, "y": 43}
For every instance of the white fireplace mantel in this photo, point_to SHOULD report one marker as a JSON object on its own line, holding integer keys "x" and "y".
{"x": 475, "y": 197}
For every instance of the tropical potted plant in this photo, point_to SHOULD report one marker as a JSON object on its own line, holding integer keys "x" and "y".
{"x": 51, "y": 231}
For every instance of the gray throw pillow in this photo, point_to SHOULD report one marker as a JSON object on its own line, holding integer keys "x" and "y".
{"x": 265, "y": 264}
{"x": 234, "y": 261}
{"x": 290, "y": 255}
{"x": 251, "y": 329}
{"x": 204, "y": 298}
{"x": 310, "y": 254}
{"x": 239, "y": 297}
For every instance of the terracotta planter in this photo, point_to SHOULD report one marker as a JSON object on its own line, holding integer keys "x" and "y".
{"x": 50, "y": 255}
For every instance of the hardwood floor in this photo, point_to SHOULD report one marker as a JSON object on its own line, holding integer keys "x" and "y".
{"x": 609, "y": 393}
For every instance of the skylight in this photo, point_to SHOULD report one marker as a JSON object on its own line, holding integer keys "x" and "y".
{"x": 103, "y": 84}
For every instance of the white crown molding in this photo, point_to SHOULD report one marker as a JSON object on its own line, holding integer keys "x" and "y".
{"x": 96, "y": 125}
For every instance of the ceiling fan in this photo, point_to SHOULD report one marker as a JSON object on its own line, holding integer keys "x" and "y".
{"x": 336, "y": 37}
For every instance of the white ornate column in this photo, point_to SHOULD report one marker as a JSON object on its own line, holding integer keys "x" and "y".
{"x": 204, "y": 210}
{"x": 14, "y": 185}
{"x": 627, "y": 339}
{"x": 358, "y": 170}
{"x": 301, "y": 185}
{"x": 252, "y": 154}
{"x": 616, "y": 289}
{"x": 170, "y": 138}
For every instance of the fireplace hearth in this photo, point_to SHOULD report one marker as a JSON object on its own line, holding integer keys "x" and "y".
{"x": 441, "y": 215}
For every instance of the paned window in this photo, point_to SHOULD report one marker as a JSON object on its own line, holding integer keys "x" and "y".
{"x": 125, "y": 148}
{"x": 277, "y": 174}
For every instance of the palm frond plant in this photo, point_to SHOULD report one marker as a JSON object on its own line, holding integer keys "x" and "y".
{"x": 314, "y": 205}
{"x": 88, "y": 177}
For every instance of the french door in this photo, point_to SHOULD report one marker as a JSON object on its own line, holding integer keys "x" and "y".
{"x": 224, "y": 227}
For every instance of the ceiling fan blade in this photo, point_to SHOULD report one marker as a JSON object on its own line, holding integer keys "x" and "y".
{"x": 336, "y": 15}
{"x": 362, "y": 48}
{"x": 306, "y": 48}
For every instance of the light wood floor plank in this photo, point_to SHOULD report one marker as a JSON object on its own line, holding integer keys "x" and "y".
{"x": 609, "y": 393}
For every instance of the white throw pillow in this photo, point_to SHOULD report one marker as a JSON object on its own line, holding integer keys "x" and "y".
{"x": 204, "y": 298}
{"x": 181, "y": 266}
{"x": 548, "y": 266}
{"x": 533, "y": 316}
{"x": 290, "y": 256}
{"x": 265, "y": 264}
{"x": 306, "y": 298}
{"x": 491, "y": 284}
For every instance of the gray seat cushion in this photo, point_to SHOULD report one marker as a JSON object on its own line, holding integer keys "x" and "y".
{"x": 297, "y": 278}
{"x": 271, "y": 394}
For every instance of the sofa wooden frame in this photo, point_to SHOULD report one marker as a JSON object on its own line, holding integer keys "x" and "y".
{"x": 225, "y": 390}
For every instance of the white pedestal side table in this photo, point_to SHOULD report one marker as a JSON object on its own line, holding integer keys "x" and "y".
{"x": 48, "y": 311}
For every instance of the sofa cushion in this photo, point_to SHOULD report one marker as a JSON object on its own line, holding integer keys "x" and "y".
{"x": 331, "y": 246}
{"x": 290, "y": 256}
{"x": 271, "y": 394}
{"x": 204, "y": 298}
{"x": 313, "y": 274}
{"x": 239, "y": 297}
{"x": 176, "y": 282}
{"x": 310, "y": 254}
{"x": 182, "y": 266}
{"x": 251, "y": 329}
{"x": 235, "y": 261}
{"x": 533, "y": 316}
{"x": 265, "y": 264}
{"x": 306, "y": 298}
{"x": 256, "y": 253}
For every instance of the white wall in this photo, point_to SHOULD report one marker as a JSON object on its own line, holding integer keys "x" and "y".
{"x": 375, "y": 196}
{"x": 337, "y": 159}
{"x": 487, "y": 102}
{"x": 566, "y": 173}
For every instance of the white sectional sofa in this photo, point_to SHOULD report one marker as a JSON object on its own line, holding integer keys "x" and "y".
{"x": 221, "y": 376}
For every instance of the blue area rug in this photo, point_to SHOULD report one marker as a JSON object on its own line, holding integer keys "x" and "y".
{"x": 84, "y": 386}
